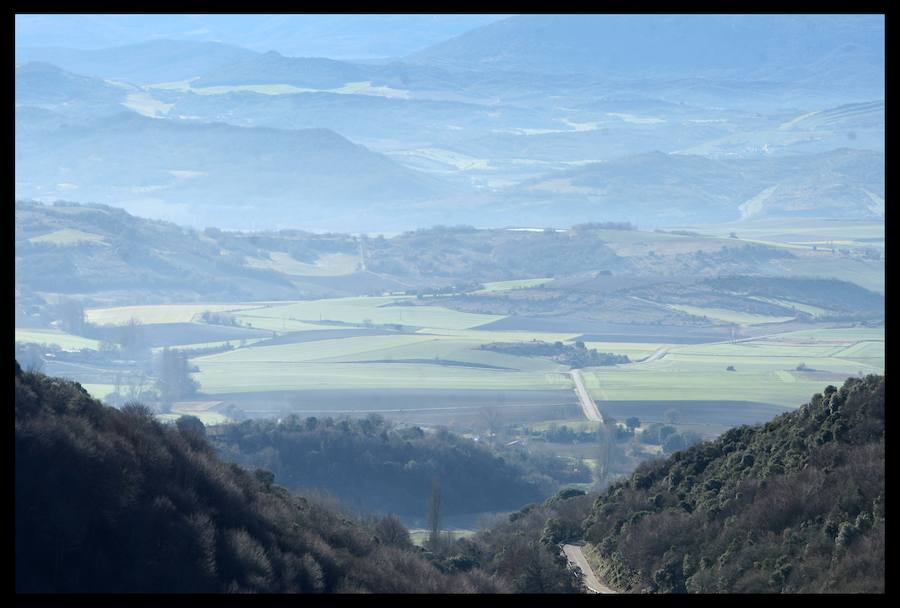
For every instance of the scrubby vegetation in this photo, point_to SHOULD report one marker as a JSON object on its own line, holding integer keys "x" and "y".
{"x": 796, "y": 505}
{"x": 524, "y": 548}
{"x": 576, "y": 355}
{"x": 374, "y": 464}
{"x": 114, "y": 501}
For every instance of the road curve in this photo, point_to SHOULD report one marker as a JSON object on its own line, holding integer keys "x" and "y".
{"x": 658, "y": 354}
{"x": 584, "y": 398}
{"x": 576, "y": 556}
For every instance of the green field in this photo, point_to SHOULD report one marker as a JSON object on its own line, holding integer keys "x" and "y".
{"x": 439, "y": 350}
{"x": 765, "y": 368}
{"x": 60, "y": 338}
{"x": 374, "y": 310}
{"x": 158, "y": 313}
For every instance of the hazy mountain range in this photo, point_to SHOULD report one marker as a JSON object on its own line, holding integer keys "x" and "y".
{"x": 537, "y": 119}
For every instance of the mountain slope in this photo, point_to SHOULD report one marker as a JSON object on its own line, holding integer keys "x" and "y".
{"x": 143, "y": 62}
{"x": 215, "y": 174}
{"x": 114, "y": 501}
{"x": 678, "y": 187}
{"x": 796, "y": 505}
{"x": 275, "y": 68}
{"x": 49, "y": 87}
{"x": 670, "y": 45}
{"x": 343, "y": 36}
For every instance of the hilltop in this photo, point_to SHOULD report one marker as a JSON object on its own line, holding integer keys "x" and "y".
{"x": 114, "y": 501}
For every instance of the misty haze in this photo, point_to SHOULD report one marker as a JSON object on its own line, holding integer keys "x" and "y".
{"x": 449, "y": 303}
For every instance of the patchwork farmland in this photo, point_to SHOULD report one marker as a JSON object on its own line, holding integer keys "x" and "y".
{"x": 423, "y": 363}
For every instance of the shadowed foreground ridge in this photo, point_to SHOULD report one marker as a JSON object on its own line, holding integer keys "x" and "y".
{"x": 114, "y": 501}
{"x": 794, "y": 506}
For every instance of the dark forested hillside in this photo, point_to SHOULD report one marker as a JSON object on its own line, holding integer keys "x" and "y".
{"x": 374, "y": 464}
{"x": 114, "y": 501}
{"x": 796, "y": 505}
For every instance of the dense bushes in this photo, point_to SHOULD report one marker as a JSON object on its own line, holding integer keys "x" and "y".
{"x": 114, "y": 501}
{"x": 372, "y": 464}
{"x": 796, "y": 505}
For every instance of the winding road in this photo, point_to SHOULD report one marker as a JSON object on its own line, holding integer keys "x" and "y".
{"x": 658, "y": 354}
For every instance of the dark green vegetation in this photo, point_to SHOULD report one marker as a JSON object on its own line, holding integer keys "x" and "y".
{"x": 795, "y": 505}
{"x": 572, "y": 355}
{"x": 114, "y": 501}
{"x": 374, "y": 465}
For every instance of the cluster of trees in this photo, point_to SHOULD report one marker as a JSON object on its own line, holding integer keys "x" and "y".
{"x": 668, "y": 437}
{"x": 604, "y": 226}
{"x": 174, "y": 379}
{"x": 576, "y": 355}
{"x": 795, "y": 505}
{"x": 219, "y": 318}
{"x": 372, "y": 463}
{"x": 447, "y": 290}
{"x": 112, "y": 500}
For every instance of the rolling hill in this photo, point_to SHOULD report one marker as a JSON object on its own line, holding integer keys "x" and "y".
{"x": 216, "y": 174}
{"x": 672, "y": 188}
{"x": 150, "y": 61}
{"x": 764, "y": 47}
{"x": 49, "y": 87}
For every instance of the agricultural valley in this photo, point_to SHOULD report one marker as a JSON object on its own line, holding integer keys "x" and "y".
{"x": 484, "y": 317}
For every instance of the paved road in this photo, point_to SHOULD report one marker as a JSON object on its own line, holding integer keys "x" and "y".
{"x": 584, "y": 398}
{"x": 576, "y": 556}
{"x": 658, "y": 354}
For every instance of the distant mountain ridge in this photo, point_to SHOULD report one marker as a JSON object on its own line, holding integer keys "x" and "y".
{"x": 143, "y": 62}
{"x": 638, "y": 46}
{"x": 840, "y": 183}
{"x": 286, "y": 177}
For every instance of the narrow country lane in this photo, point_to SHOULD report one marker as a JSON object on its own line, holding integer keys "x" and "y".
{"x": 576, "y": 556}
